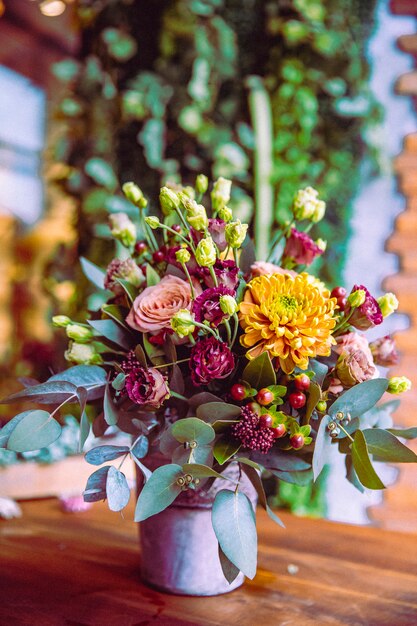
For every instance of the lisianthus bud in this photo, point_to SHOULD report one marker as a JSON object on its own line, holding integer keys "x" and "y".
{"x": 201, "y": 183}
{"x": 384, "y": 351}
{"x": 196, "y": 215}
{"x": 79, "y": 333}
{"x": 225, "y": 214}
{"x": 205, "y": 253}
{"x": 220, "y": 194}
{"x": 169, "y": 200}
{"x": 307, "y": 206}
{"x": 182, "y": 323}
{"x": 182, "y": 255}
{"x": 321, "y": 243}
{"x": 357, "y": 298}
{"x": 353, "y": 368}
{"x": 388, "y": 304}
{"x": 153, "y": 222}
{"x": 61, "y": 321}
{"x": 127, "y": 270}
{"x": 235, "y": 233}
{"x": 135, "y": 195}
{"x": 228, "y": 305}
{"x": 398, "y": 384}
{"x": 123, "y": 229}
{"x": 367, "y": 314}
{"x": 83, "y": 354}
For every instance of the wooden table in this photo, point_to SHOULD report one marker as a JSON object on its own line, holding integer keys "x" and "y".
{"x": 83, "y": 569}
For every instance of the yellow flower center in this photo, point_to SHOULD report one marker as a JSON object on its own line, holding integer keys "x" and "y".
{"x": 283, "y": 306}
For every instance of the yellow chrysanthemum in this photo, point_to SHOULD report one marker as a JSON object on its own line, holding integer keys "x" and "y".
{"x": 289, "y": 317}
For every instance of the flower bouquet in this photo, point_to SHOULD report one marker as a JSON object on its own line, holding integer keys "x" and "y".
{"x": 220, "y": 367}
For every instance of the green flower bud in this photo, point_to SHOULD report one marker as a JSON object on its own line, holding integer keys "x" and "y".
{"x": 398, "y": 384}
{"x": 201, "y": 183}
{"x": 153, "y": 222}
{"x": 79, "y": 333}
{"x": 182, "y": 255}
{"x": 321, "y": 243}
{"x": 61, "y": 321}
{"x": 225, "y": 214}
{"x": 307, "y": 206}
{"x": 388, "y": 304}
{"x": 356, "y": 298}
{"x": 228, "y": 304}
{"x": 235, "y": 233}
{"x": 182, "y": 323}
{"x": 135, "y": 195}
{"x": 206, "y": 253}
{"x": 83, "y": 354}
{"x": 123, "y": 229}
{"x": 196, "y": 214}
{"x": 220, "y": 194}
{"x": 169, "y": 200}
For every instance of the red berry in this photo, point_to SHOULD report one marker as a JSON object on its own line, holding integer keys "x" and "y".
{"x": 238, "y": 392}
{"x": 265, "y": 396}
{"x": 297, "y": 399}
{"x": 279, "y": 430}
{"x": 341, "y": 303}
{"x": 297, "y": 441}
{"x": 265, "y": 420}
{"x": 158, "y": 256}
{"x": 254, "y": 407}
{"x": 176, "y": 227}
{"x": 338, "y": 292}
{"x": 302, "y": 382}
{"x": 141, "y": 247}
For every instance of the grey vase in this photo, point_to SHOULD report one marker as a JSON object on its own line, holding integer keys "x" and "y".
{"x": 179, "y": 550}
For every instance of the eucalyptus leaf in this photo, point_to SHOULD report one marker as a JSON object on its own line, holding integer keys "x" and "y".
{"x": 94, "y": 273}
{"x": 351, "y": 475}
{"x": 360, "y": 398}
{"x": 214, "y": 411}
{"x": 202, "y": 471}
{"x": 8, "y": 428}
{"x": 259, "y": 372}
{"x": 93, "y": 378}
{"x": 233, "y": 522}
{"x": 322, "y": 447}
{"x": 159, "y": 492}
{"x": 140, "y": 447}
{"x": 193, "y": 429}
{"x": 113, "y": 332}
{"x": 256, "y": 481}
{"x": 51, "y": 392}
{"x": 130, "y": 290}
{"x": 225, "y": 448}
{"x": 101, "y": 172}
{"x": 296, "y": 478}
{"x": 152, "y": 276}
{"x": 362, "y": 463}
{"x": 117, "y": 490}
{"x": 37, "y": 429}
{"x": 203, "y": 397}
{"x": 109, "y": 408}
{"x": 314, "y": 395}
{"x": 119, "y": 382}
{"x": 229, "y": 570}
{"x": 85, "y": 428}
{"x": 320, "y": 370}
{"x": 102, "y": 454}
{"x": 202, "y": 454}
{"x": 386, "y": 447}
{"x": 117, "y": 313}
{"x": 406, "y": 433}
{"x": 95, "y": 489}
{"x": 284, "y": 460}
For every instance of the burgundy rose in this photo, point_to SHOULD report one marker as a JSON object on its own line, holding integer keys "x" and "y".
{"x": 251, "y": 433}
{"x": 367, "y": 314}
{"x": 207, "y": 305}
{"x": 384, "y": 351}
{"x": 144, "y": 386}
{"x": 226, "y": 273}
{"x": 300, "y": 248}
{"x": 210, "y": 359}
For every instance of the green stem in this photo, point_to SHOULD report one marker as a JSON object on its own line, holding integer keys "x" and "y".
{"x": 236, "y": 328}
{"x": 346, "y": 432}
{"x": 229, "y": 332}
{"x": 187, "y": 273}
{"x": 169, "y": 364}
{"x": 213, "y": 275}
{"x": 179, "y": 396}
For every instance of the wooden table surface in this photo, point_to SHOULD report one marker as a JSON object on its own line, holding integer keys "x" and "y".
{"x": 83, "y": 569}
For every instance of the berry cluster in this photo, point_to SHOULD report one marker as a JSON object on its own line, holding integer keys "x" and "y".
{"x": 251, "y": 432}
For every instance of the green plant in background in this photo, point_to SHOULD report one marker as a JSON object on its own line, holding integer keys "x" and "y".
{"x": 272, "y": 94}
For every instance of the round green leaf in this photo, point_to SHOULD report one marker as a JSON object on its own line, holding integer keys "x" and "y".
{"x": 193, "y": 429}
{"x": 36, "y": 430}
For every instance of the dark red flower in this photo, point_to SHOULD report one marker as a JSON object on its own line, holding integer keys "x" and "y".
{"x": 227, "y": 274}
{"x": 252, "y": 433}
{"x": 300, "y": 248}
{"x": 144, "y": 386}
{"x": 367, "y": 314}
{"x": 210, "y": 359}
{"x": 207, "y": 305}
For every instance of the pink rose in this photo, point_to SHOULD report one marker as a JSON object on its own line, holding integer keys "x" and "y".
{"x": 154, "y": 308}
{"x": 350, "y": 342}
{"x": 262, "y": 268}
